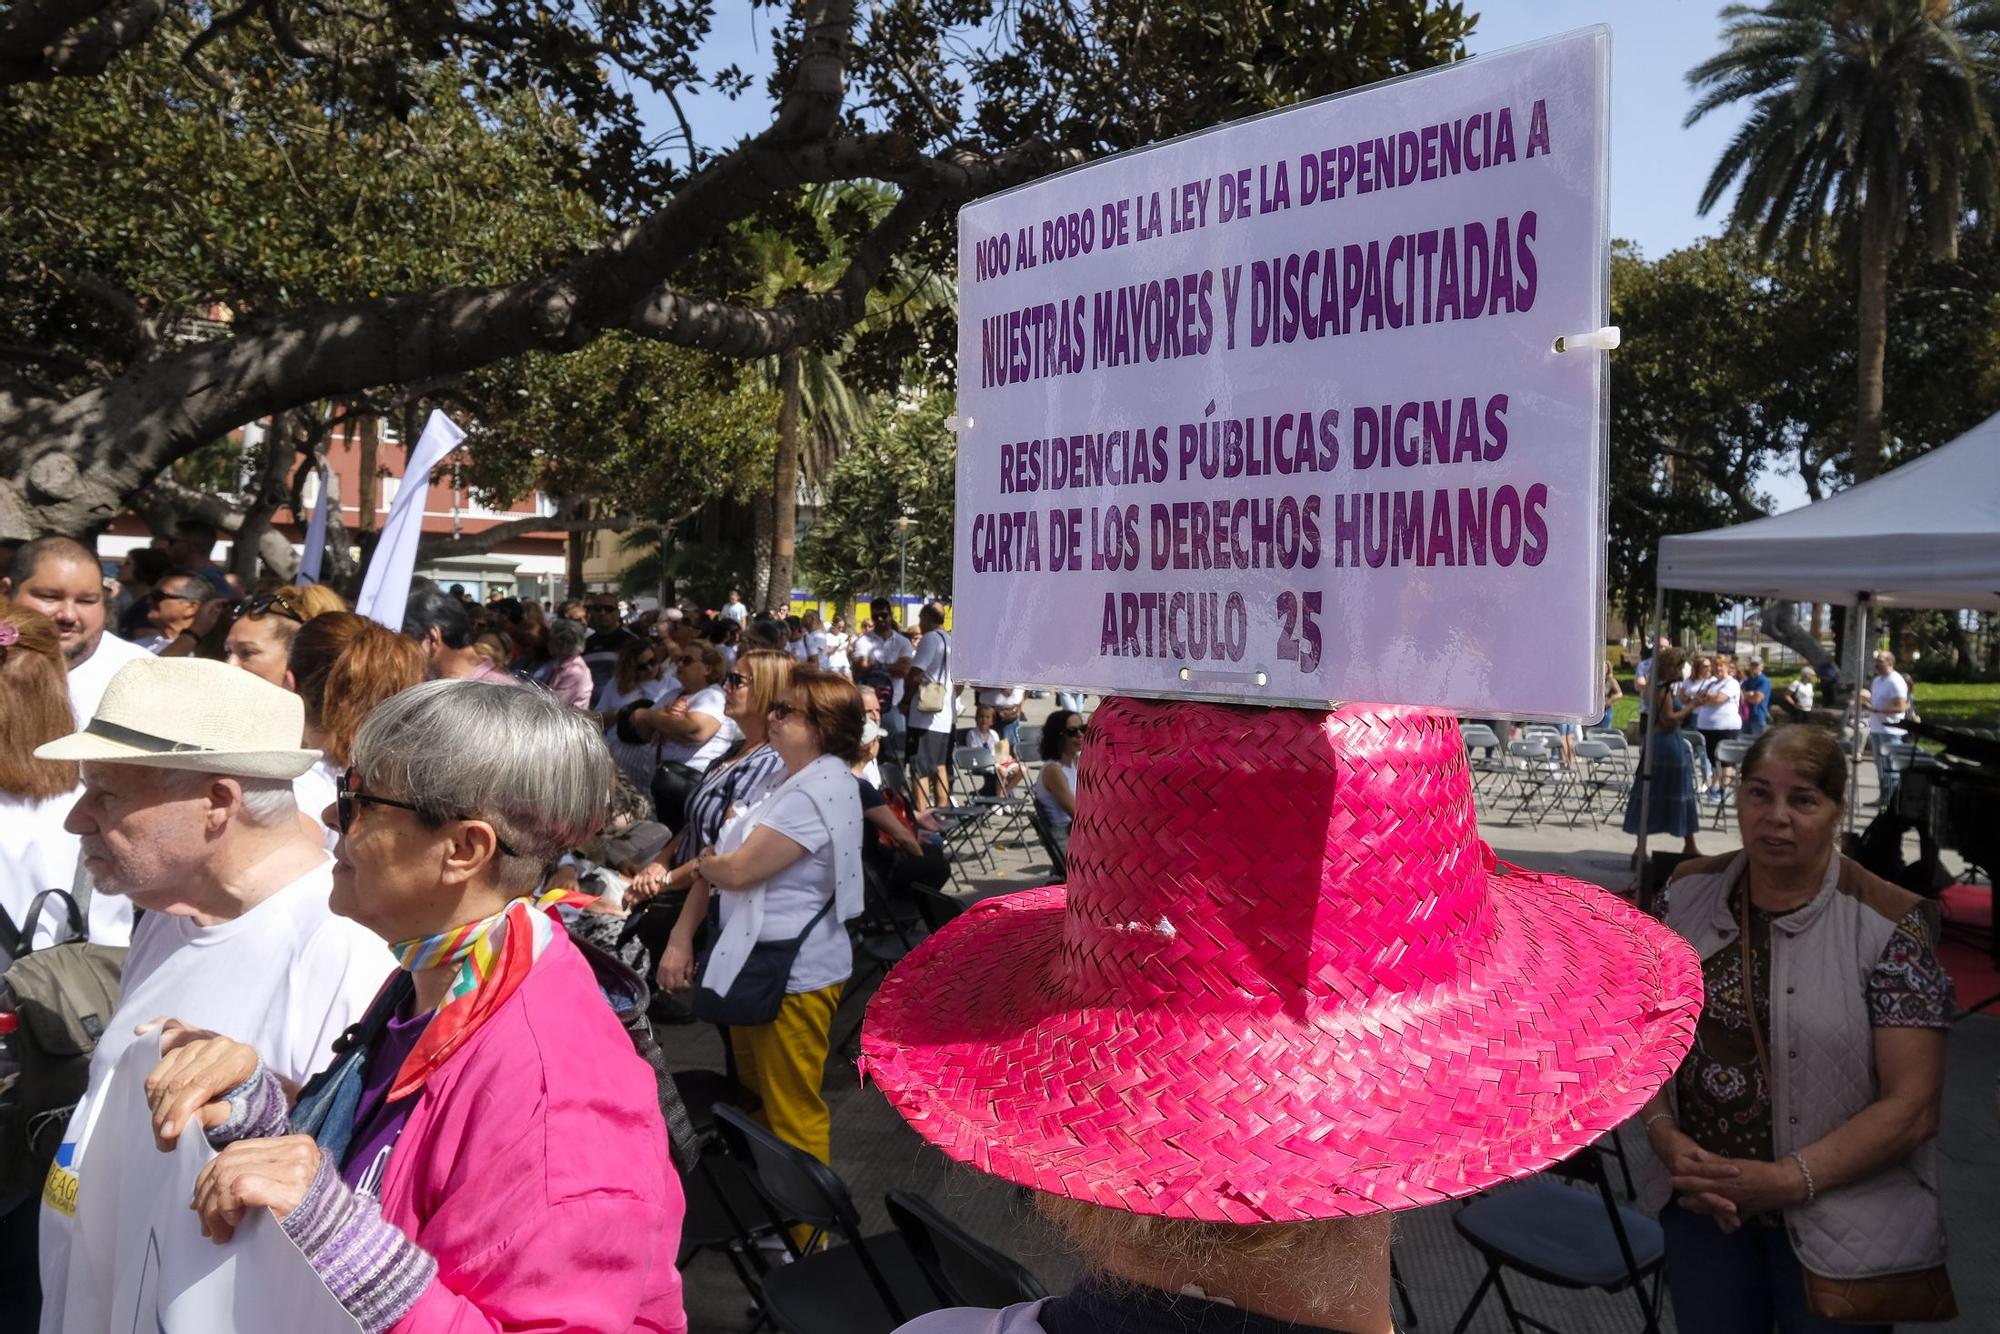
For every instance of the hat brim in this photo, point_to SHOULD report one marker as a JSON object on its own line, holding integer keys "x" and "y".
{"x": 1579, "y": 1009}
{"x": 88, "y": 746}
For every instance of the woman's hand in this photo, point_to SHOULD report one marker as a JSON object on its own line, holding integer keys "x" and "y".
{"x": 1741, "y": 1187}
{"x": 676, "y": 970}
{"x": 647, "y": 884}
{"x": 251, "y": 1174}
{"x": 196, "y": 1068}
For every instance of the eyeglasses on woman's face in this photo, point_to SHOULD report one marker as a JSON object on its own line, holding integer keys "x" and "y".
{"x": 736, "y": 680}
{"x": 781, "y": 711}
{"x": 1076, "y": 731}
{"x": 347, "y": 794}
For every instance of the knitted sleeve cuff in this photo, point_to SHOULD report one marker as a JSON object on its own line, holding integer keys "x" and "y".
{"x": 258, "y": 1109}
{"x": 366, "y": 1262}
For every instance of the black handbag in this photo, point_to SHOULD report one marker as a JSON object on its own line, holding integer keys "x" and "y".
{"x": 758, "y": 992}
{"x": 673, "y": 783}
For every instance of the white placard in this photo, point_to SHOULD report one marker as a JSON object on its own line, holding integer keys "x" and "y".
{"x": 133, "y": 1223}
{"x": 1273, "y": 412}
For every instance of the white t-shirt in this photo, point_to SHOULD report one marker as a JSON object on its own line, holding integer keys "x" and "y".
{"x": 836, "y": 651}
{"x": 314, "y": 790}
{"x": 636, "y": 760}
{"x": 933, "y": 659}
{"x": 286, "y": 978}
{"x": 1802, "y": 694}
{"x": 37, "y": 853}
{"x": 798, "y": 891}
{"x": 999, "y": 699}
{"x": 88, "y": 678}
{"x": 887, "y": 652}
{"x": 1727, "y": 714}
{"x": 707, "y": 700}
{"x": 735, "y": 611}
{"x": 815, "y": 642}
{"x": 1883, "y": 691}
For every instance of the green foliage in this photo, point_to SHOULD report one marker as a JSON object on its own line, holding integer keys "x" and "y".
{"x": 903, "y": 463}
{"x": 268, "y": 200}
{"x": 1851, "y": 99}
{"x": 698, "y": 572}
{"x": 1734, "y": 364}
{"x": 656, "y": 430}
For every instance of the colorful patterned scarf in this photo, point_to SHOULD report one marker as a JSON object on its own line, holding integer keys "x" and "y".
{"x": 493, "y": 955}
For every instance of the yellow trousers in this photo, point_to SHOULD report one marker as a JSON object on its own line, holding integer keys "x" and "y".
{"x": 783, "y": 1063}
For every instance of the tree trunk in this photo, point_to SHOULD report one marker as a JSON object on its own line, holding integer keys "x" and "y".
{"x": 1781, "y": 622}
{"x": 785, "y": 484}
{"x": 1877, "y": 231}
{"x": 371, "y": 440}
{"x": 573, "y": 553}
{"x": 273, "y": 489}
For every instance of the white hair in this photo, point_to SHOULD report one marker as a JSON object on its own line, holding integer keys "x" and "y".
{"x": 534, "y": 768}
{"x": 268, "y": 803}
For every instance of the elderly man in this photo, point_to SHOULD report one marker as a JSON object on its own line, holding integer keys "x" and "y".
{"x": 60, "y": 578}
{"x": 187, "y": 810}
{"x": 607, "y": 637}
{"x": 171, "y": 609}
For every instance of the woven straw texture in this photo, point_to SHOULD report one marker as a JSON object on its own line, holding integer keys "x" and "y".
{"x": 1286, "y": 981}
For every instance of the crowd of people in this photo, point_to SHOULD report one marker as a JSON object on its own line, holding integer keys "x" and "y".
{"x": 302, "y": 825}
{"x": 375, "y": 887}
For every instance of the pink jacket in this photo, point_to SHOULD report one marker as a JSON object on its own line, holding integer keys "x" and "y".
{"x": 534, "y": 1168}
{"x": 570, "y": 683}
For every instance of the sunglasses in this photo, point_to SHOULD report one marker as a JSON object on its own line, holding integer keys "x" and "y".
{"x": 782, "y": 710}
{"x": 161, "y": 596}
{"x": 1075, "y": 731}
{"x": 686, "y": 662}
{"x": 347, "y": 794}
{"x": 736, "y": 680}
{"x": 264, "y": 604}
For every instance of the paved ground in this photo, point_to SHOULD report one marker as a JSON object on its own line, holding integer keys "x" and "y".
{"x": 875, "y": 1151}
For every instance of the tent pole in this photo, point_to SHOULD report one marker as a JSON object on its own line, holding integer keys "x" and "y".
{"x": 1644, "y": 880}
{"x": 1857, "y": 649}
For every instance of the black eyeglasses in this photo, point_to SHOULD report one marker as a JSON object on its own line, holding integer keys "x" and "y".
{"x": 782, "y": 710}
{"x": 1075, "y": 731}
{"x": 264, "y": 604}
{"x": 347, "y": 794}
{"x": 686, "y": 662}
{"x": 161, "y": 595}
{"x": 736, "y": 680}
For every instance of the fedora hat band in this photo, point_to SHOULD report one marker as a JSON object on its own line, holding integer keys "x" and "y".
{"x": 146, "y": 741}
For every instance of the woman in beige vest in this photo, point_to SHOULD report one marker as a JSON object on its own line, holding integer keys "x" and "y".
{"x": 1795, "y": 1147}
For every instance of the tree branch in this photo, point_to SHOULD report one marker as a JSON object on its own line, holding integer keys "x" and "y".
{"x": 42, "y": 40}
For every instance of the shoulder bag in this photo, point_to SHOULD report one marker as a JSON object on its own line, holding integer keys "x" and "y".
{"x": 1916, "y": 1296}
{"x": 931, "y": 696}
{"x": 758, "y": 992}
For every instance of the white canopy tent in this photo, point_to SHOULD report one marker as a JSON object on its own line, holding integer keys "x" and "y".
{"x": 1926, "y": 534}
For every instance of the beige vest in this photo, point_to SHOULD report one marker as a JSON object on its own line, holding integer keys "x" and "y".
{"x": 1822, "y": 1061}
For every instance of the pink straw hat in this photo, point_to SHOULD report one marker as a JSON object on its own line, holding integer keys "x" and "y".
{"x": 1286, "y": 981}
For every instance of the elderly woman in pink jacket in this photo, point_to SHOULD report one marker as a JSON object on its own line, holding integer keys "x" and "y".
{"x": 487, "y": 1152}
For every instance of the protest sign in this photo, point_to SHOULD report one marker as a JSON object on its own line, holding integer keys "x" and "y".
{"x": 385, "y": 591}
{"x": 133, "y": 1223}
{"x": 1275, "y": 412}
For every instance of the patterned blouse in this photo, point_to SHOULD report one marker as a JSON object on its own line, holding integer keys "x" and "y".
{"x": 1724, "y": 1104}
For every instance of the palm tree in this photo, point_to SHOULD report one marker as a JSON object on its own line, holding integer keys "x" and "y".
{"x": 818, "y": 411}
{"x": 1864, "y": 116}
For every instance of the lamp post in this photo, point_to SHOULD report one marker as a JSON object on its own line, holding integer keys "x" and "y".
{"x": 903, "y": 522}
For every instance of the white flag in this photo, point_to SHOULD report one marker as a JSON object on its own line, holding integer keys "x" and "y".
{"x": 387, "y": 587}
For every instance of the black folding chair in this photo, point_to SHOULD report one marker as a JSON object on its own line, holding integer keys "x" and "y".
{"x": 1058, "y": 859}
{"x": 1564, "y": 1227}
{"x": 867, "y": 1285}
{"x": 963, "y": 1270}
{"x": 725, "y": 1215}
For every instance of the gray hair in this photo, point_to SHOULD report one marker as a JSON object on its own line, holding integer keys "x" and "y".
{"x": 566, "y": 638}
{"x": 268, "y": 803}
{"x": 534, "y": 768}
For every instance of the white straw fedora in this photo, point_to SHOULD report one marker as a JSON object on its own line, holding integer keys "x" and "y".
{"x": 191, "y": 713}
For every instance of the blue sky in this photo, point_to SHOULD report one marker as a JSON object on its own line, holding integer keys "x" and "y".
{"x": 1657, "y": 167}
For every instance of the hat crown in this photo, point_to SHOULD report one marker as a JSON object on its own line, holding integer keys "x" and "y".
{"x": 206, "y": 705}
{"x": 1272, "y": 858}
